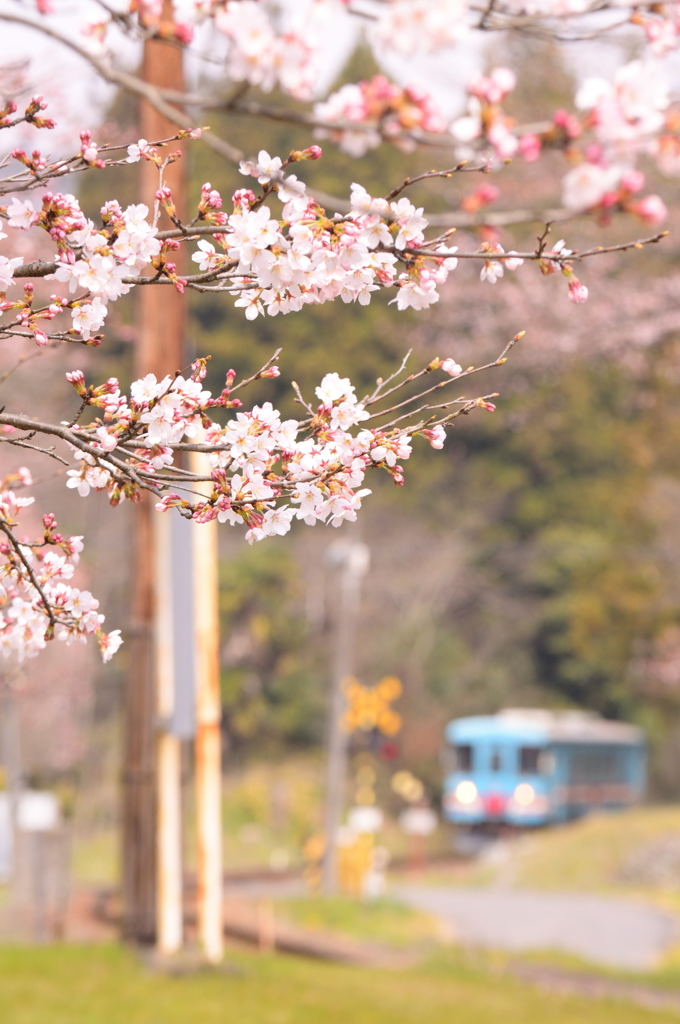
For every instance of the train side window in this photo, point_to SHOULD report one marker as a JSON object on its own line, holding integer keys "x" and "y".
{"x": 529, "y": 760}
{"x": 463, "y": 757}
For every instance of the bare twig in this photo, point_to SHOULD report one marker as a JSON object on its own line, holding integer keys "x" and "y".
{"x": 459, "y": 168}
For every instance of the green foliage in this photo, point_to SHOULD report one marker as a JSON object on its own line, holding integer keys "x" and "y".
{"x": 271, "y": 678}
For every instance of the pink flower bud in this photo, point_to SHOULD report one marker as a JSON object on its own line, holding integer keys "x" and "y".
{"x": 530, "y": 147}
{"x": 633, "y": 181}
{"x": 243, "y": 197}
{"x": 436, "y": 437}
{"x": 77, "y": 379}
{"x": 651, "y": 209}
{"x": 199, "y": 369}
{"x": 451, "y": 367}
{"x": 568, "y": 123}
{"x": 577, "y": 290}
{"x": 183, "y": 32}
{"x": 311, "y": 153}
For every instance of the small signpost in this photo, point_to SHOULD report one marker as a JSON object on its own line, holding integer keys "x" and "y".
{"x": 418, "y": 824}
{"x": 29, "y": 855}
{"x": 365, "y": 820}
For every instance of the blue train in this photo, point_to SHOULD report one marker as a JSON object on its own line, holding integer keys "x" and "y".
{"x": 526, "y": 767}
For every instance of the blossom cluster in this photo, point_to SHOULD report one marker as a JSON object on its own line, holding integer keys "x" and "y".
{"x": 263, "y": 57}
{"x": 625, "y": 117}
{"x": 282, "y": 48}
{"x": 381, "y": 110}
{"x": 484, "y": 119}
{"x": 101, "y": 264}
{"x": 282, "y": 45}
{"x": 661, "y": 24}
{"x": 265, "y": 471}
{"x": 306, "y": 257}
{"x": 615, "y": 122}
{"x": 418, "y": 26}
{"x": 38, "y": 600}
{"x": 403, "y": 26}
{"x": 620, "y": 120}
{"x": 268, "y": 264}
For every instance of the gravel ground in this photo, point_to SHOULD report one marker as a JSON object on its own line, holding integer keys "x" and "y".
{"x": 613, "y": 932}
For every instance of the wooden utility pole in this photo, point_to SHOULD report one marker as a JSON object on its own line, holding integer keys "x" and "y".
{"x": 147, "y": 742}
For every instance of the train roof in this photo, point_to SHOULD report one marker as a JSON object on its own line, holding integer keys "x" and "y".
{"x": 534, "y": 725}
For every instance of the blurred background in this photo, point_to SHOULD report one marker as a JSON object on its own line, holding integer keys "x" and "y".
{"x": 534, "y": 563}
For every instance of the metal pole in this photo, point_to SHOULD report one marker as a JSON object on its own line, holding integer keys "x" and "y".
{"x": 160, "y": 350}
{"x": 138, "y": 853}
{"x": 168, "y": 756}
{"x": 208, "y": 738}
{"x": 351, "y": 563}
{"x": 11, "y": 753}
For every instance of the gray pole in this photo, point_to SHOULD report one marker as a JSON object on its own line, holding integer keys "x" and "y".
{"x": 350, "y": 562}
{"x": 11, "y": 753}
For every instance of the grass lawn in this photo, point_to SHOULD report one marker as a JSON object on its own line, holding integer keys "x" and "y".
{"x": 382, "y": 921}
{"x": 591, "y": 853}
{"x": 106, "y": 985}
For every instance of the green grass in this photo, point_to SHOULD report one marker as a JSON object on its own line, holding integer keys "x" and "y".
{"x": 95, "y": 857}
{"x": 106, "y": 985}
{"x": 383, "y": 921}
{"x": 590, "y": 854}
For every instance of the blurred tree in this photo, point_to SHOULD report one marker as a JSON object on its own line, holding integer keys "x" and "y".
{"x": 272, "y": 675}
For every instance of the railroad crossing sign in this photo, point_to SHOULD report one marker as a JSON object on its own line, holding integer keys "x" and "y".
{"x": 369, "y": 707}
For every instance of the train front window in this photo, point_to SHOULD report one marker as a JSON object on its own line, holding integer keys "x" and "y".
{"x": 529, "y": 760}
{"x": 462, "y": 757}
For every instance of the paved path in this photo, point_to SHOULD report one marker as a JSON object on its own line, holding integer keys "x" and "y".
{"x": 615, "y": 932}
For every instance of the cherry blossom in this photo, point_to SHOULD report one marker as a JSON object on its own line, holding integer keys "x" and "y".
{"x": 381, "y": 110}
{"x": 274, "y": 247}
{"x": 37, "y": 599}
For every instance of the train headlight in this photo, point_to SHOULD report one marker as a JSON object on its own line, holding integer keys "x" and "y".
{"x": 524, "y": 794}
{"x": 466, "y": 792}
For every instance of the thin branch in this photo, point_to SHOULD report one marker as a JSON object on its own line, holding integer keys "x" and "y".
{"x": 17, "y": 442}
{"x": 258, "y": 374}
{"x": 6, "y": 529}
{"x": 552, "y": 257}
{"x": 29, "y": 357}
{"x": 459, "y": 168}
{"x": 381, "y": 383}
{"x": 125, "y": 80}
